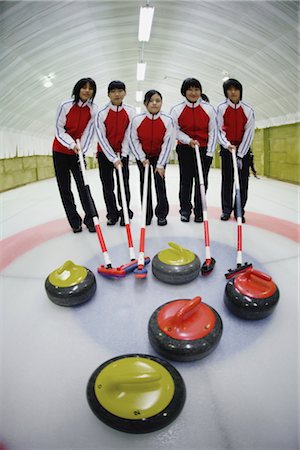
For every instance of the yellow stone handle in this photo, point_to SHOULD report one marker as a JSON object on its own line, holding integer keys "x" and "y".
{"x": 176, "y": 248}
{"x": 68, "y": 265}
{"x": 135, "y": 379}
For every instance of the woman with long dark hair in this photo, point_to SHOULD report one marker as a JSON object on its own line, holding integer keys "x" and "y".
{"x": 74, "y": 120}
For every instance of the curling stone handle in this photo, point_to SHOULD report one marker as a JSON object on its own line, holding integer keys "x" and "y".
{"x": 187, "y": 310}
{"x": 66, "y": 266}
{"x": 258, "y": 274}
{"x": 135, "y": 379}
{"x": 177, "y": 248}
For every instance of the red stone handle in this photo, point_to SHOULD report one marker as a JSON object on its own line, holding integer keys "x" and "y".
{"x": 187, "y": 310}
{"x": 258, "y": 274}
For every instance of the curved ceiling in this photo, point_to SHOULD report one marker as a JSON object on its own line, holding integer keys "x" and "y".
{"x": 254, "y": 41}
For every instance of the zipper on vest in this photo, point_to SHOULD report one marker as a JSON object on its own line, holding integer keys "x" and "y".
{"x": 117, "y": 124}
{"x": 152, "y": 128}
{"x": 194, "y": 122}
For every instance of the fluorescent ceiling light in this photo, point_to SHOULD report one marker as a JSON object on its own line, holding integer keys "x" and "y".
{"x": 145, "y": 23}
{"x": 225, "y": 75}
{"x": 47, "y": 83}
{"x": 47, "y": 80}
{"x": 139, "y": 96}
{"x": 140, "y": 72}
{"x": 138, "y": 109}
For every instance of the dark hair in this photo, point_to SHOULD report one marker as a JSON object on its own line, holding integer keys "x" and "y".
{"x": 116, "y": 84}
{"x": 188, "y": 83}
{"x": 80, "y": 84}
{"x": 205, "y": 98}
{"x": 149, "y": 94}
{"x": 232, "y": 83}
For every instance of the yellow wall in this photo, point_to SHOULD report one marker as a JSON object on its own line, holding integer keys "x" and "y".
{"x": 18, "y": 171}
{"x": 276, "y": 153}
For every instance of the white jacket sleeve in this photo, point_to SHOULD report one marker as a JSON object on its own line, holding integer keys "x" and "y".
{"x": 60, "y": 133}
{"x": 212, "y": 132}
{"x": 168, "y": 142}
{"x": 103, "y": 141}
{"x": 221, "y": 134}
{"x": 248, "y": 133}
{"x": 135, "y": 143}
{"x": 125, "y": 150}
{"x": 180, "y": 135}
{"x": 87, "y": 136}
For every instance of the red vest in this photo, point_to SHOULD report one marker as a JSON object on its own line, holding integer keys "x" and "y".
{"x": 194, "y": 122}
{"x": 76, "y": 121}
{"x": 234, "y": 124}
{"x": 116, "y": 124}
{"x": 151, "y": 135}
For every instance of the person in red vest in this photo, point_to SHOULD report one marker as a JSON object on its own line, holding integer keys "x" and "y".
{"x": 152, "y": 136}
{"x": 74, "y": 120}
{"x": 112, "y": 125}
{"x": 195, "y": 120}
{"x": 236, "y": 124}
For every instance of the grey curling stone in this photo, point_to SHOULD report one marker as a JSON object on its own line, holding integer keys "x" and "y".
{"x": 70, "y": 285}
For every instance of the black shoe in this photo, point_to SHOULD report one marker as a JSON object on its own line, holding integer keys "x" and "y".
{"x": 122, "y": 222}
{"x": 77, "y": 229}
{"x": 112, "y": 221}
{"x": 91, "y": 228}
{"x": 225, "y": 216}
{"x": 184, "y": 218}
{"x": 148, "y": 221}
{"x": 162, "y": 222}
{"x": 198, "y": 219}
{"x": 90, "y": 225}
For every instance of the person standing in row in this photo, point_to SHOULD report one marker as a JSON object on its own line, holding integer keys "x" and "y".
{"x": 112, "y": 127}
{"x": 236, "y": 129}
{"x": 152, "y": 136}
{"x": 195, "y": 120}
{"x": 74, "y": 120}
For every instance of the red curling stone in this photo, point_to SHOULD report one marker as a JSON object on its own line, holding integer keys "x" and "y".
{"x": 185, "y": 330}
{"x": 251, "y": 295}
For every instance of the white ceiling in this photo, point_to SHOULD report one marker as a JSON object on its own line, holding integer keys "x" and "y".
{"x": 255, "y": 41}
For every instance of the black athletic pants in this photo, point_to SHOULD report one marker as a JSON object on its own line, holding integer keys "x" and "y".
{"x": 106, "y": 170}
{"x": 228, "y": 181}
{"x": 162, "y": 207}
{"x": 64, "y": 165}
{"x": 188, "y": 173}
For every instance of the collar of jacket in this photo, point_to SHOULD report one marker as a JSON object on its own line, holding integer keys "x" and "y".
{"x": 81, "y": 104}
{"x": 192, "y": 105}
{"x": 152, "y": 116}
{"x": 115, "y": 107}
{"x": 234, "y": 105}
